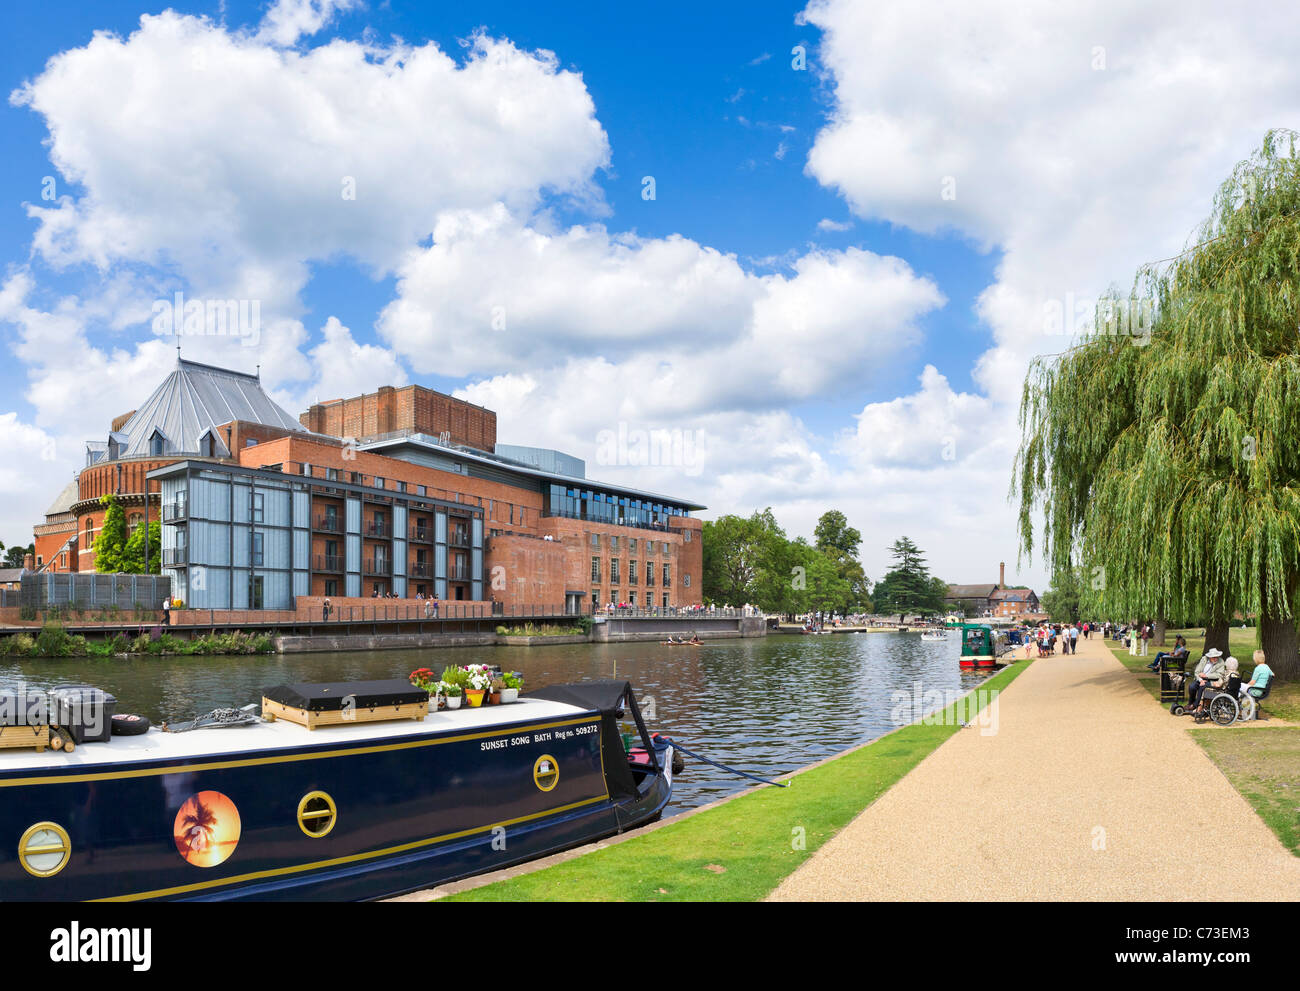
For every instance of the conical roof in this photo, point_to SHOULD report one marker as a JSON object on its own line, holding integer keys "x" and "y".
{"x": 194, "y": 398}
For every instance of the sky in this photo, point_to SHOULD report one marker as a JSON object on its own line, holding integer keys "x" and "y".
{"x": 810, "y": 249}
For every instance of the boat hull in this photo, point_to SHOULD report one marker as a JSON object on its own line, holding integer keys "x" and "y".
{"x": 411, "y": 811}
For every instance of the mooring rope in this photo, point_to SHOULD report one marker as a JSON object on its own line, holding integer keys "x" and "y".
{"x": 732, "y": 770}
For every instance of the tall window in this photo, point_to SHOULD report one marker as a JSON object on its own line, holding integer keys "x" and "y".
{"x": 258, "y": 502}
{"x": 257, "y": 550}
{"x": 255, "y": 592}
{"x": 632, "y": 573}
{"x": 613, "y": 571}
{"x": 90, "y": 533}
{"x": 595, "y": 569}
{"x": 667, "y": 579}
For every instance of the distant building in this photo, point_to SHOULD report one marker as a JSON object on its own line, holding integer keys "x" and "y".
{"x": 993, "y": 600}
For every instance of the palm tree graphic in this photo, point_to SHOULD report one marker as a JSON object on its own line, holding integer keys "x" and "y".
{"x": 198, "y": 826}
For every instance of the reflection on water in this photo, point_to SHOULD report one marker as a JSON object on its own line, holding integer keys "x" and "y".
{"x": 764, "y": 705}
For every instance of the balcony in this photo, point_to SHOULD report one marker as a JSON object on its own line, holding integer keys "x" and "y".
{"x": 173, "y": 557}
{"x": 377, "y": 567}
{"x": 175, "y": 512}
{"x": 422, "y": 534}
{"x": 421, "y": 570}
{"x": 329, "y": 524}
{"x": 661, "y": 527}
{"x": 328, "y": 562}
{"x": 377, "y": 529}
{"x": 459, "y": 537}
{"x": 458, "y": 574}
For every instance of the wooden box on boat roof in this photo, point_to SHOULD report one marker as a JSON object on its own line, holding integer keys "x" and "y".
{"x": 342, "y": 702}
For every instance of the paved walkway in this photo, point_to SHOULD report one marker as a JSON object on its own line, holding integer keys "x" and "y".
{"x": 1088, "y": 790}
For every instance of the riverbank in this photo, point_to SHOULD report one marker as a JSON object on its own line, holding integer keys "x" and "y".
{"x": 740, "y": 849}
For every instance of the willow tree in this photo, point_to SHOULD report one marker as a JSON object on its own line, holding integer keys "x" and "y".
{"x": 1166, "y": 459}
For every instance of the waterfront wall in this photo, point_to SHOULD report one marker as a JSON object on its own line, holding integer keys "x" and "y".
{"x": 382, "y": 641}
{"x": 618, "y": 629}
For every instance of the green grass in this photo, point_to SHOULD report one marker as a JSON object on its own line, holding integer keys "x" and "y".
{"x": 1264, "y": 765}
{"x": 741, "y": 850}
{"x": 1283, "y": 702}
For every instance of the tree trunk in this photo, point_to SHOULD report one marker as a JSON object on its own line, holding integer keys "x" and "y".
{"x": 1162, "y": 625}
{"x": 1216, "y": 635}
{"x": 1278, "y": 638}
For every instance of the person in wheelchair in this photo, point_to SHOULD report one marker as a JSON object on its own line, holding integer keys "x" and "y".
{"x": 1211, "y": 672}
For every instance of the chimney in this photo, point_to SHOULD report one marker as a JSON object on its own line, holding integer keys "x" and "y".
{"x": 1002, "y": 574}
{"x": 29, "y": 562}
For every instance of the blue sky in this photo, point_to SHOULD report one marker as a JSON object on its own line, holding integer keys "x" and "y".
{"x": 799, "y": 291}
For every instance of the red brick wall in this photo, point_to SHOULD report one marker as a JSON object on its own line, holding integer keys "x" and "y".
{"x": 412, "y": 408}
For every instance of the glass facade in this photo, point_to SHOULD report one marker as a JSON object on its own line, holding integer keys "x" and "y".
{"x": 608, "y": 507}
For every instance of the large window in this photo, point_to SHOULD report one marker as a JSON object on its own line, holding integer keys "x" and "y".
{"x": 255, "y": 592}
{"x": 632, "y": 573}
{"x": 613, "y": 571}
{"x": 595, "y": 569}
{"x": 667, "y": 578}
{"x": 257, "y": 507}
{"x": 257, "y": 551}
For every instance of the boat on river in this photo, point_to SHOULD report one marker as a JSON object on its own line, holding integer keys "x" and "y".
{"x": 934, "y": 636}
{"x": 982, "y": 646}
{"x": 351, "y": 809}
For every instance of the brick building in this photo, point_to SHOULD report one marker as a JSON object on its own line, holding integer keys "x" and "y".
{"x": 382, "y": 494}
{"x": 993, "y": 599}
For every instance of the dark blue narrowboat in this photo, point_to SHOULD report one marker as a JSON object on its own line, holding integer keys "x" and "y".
{"x": 357, "y": 810}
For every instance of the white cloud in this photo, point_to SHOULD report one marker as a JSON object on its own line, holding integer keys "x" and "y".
{"x": 826, "y": 224}
{"x": 288, "y": 20}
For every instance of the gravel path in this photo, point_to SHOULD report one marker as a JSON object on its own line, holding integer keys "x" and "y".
{"x": 1088, "y": 790}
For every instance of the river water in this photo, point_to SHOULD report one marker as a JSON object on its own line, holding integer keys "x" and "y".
{"x": 765, "y": 705}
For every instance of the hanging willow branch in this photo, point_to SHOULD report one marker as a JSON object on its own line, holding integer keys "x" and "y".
{"x": 1174, "y": 465}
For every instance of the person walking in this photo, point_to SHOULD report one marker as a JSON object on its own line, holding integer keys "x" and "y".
{"x": 325, "y": 610}
{"x": 167, "y": 611}
{"x": 1074, "y": 638}
{"x": 1146, "y": 635}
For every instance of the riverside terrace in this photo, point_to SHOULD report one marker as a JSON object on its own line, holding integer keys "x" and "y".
{"x": 377, "y": 624}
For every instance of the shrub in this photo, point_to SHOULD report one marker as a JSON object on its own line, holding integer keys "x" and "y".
{"x": 52, "y": 641}
{"x": 18, "y": 645}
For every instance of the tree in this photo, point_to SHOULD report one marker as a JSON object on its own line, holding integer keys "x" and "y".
{"x": 110, "y": 544}
{"x": 1062, "y": 602}
{"x": 15, "y": 557}
{"x": 744, "y": 561}
{"x": 840, "y": 542}
{"x": 1165, "y": 462}
{"x": 132, "y": 562}
{"x": 908, "y": 586}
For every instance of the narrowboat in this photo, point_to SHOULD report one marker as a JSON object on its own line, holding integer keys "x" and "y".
{"x": 981, "y": 645}
{"x": 351, "y": 809}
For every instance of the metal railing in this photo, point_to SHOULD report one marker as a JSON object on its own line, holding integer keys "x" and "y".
{"x": 618, "y": 521}
{"x": 374, "y": 529}
{"x": 173, "y": 511}
{"x": 458, "y": 575}
{"x": 419, "y": 570}
{"x": 329, "y": 524}
{"x": 381, "y": 568}
{"x": 422, "y": 534}
{"x": 328, "y": 562}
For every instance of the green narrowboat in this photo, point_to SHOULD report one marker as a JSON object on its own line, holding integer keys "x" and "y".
{"x": 981, "y": 645}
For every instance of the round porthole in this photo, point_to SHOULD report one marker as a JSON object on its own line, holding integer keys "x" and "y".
{"x": 317, "y": 814}
{"x": 546, "y": 773}
{"x": 44, "y": 849}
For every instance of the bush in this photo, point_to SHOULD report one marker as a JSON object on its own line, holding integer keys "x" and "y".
{"x": 18, "y": 645}
{"x": 52, "y": 641}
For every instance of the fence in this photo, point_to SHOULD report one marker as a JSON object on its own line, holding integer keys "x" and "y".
{"x": 90, "y": 591}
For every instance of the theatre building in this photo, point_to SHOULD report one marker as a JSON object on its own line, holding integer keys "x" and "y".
{"x": 402, "y": 492}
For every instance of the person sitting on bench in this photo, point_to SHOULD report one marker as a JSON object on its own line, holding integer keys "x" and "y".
{"x": 1179, "y": 651}
{"x": 1211, "y": 672}
{"x": 1260, "y": 677}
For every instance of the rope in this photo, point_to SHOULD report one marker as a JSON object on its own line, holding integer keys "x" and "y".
{"x": 732, "y": 770}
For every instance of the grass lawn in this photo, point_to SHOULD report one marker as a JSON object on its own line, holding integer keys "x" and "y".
{"x": 1263, "y": 763}
{"x": 741, "y": 850}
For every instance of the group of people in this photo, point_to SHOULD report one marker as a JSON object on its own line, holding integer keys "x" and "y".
{"x": 1214, "y": 671}
{"x": 1046, "y": 636}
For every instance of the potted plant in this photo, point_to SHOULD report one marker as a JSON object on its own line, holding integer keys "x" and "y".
{"x": 494, "y": 698}
{"x": 514, "y": 683}
{"x": 451, "y": 692}
{"x": 424, "y": 678}
{"x": 479, "y": 679}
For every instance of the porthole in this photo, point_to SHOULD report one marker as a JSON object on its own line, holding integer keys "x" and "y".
{"x": 317, "y": 814}
{"x": 44, "y": 849}
{"x": 546, "y": 772}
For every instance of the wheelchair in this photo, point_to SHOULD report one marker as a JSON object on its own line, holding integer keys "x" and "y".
{"x": 1224, "y": 706}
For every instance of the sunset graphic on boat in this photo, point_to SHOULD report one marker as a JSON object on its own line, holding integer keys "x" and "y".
{"x": 206, "y": 829}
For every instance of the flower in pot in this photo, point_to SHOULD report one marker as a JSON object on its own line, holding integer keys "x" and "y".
{"x": 424, "y": 678}
{"x": 451, "y": 692}
{"x": 478, "y": 682}
{"x": 513, "y": 684}
{"x": 494, "y": 696}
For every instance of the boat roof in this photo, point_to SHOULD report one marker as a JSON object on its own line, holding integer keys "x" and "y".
{"x": 156, "y": 745}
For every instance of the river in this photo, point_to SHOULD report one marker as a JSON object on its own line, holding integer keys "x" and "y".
{"x": 765, "y": 705}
